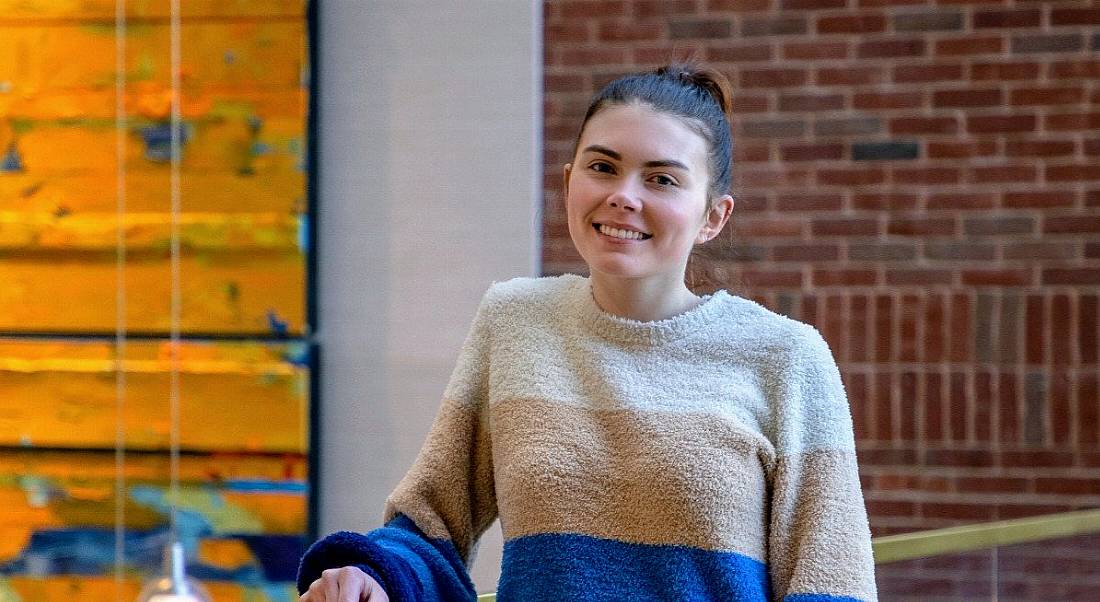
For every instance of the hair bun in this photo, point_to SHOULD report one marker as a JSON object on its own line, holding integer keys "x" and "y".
{"x": 713, "y": 82}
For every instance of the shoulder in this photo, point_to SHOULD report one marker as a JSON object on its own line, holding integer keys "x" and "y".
{"x": 763, "y": 331}
{"x": 526, "y": 295}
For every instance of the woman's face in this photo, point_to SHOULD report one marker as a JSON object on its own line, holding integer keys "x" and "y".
{"x": 636, "y": 194}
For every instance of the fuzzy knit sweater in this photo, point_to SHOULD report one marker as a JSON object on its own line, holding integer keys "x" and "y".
{"x": 708, "y": 456}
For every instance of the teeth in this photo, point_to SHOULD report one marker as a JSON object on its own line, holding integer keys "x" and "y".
{"x": 617, "y": 233}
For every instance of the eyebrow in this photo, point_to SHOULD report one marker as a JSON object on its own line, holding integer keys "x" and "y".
{"x": 603, "y": 150}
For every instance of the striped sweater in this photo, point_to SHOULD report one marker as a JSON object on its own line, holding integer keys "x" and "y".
{"x": 708, "y": 456}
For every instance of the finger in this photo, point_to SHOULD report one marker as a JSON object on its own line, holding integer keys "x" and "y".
{"x": 376, "y": 593}
{"x": 332, "y": 586}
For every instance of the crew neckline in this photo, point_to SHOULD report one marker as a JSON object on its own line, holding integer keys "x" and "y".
{"x": 628, "y": 330}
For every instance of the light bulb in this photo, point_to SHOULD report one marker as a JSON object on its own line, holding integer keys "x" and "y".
{"x": 174, "y": 585}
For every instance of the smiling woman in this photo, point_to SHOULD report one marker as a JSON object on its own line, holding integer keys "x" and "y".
{"x": 637, "y": 441}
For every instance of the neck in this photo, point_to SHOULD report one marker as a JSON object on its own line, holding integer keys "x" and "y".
{"x": 641, "y": 300}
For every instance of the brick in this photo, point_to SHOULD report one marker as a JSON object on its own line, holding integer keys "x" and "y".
{"x": 1071, "y": 276}
{"x": 772, "y": 278}
{"x": 983, "y": 330}
{"x": 882, "y": 252}
{"x": 805, "y": 252}
{"x": 959, "y": 327}
{"x": 884, "y": 342}
{"x": 921, "y": 226}
{"x": 1075, "y": 16}
{"x": 993, "y": 484}
{"x": 773, "y": 26}
{"x": 990, "y": 124}
{"x": 772, "y": 78}
{"x": 967, "y": 98}
{"x": 773, "y": 128}
{"x": 959, "y": 457}
{"x": 1068, "y": 42}
{"x": 1092, "y": 147}
{"x": 1038, "y": 199}
{"x": 1008, "y": 408}
{"x": 811, "y": 102}
{"x": 852, "y": 23}
{"x": 958, "y": 150}
{"x": 925, "y": 175}
{"x": 809, "y": 202}
{"x": 1088, "y": 414}
{"x": 1004, "y": 71}
{"x": 1092, "y": 250}
{"x": 907, "y": 401}
{"x": 853, "y": 126}
{"x": 885, "y": 151}
{"x": 751, "y": 154}
{"x": 739, "y": 5}
{"x": 1072, "y": 173}
{"x": 1092, "y": 198}
{"x": 586, "y": 57}
{"x": 557, "y": 33}
{"x": 815, "y": 50}
{"x": 1084, "y": 68}
{"x": 1072, "y": 121}
{"x": 573, "y": 9}
{"x": 700, "y": 29}
{"x": 744, "y": 103}
{"x": 857, "y": 344}
{"x": 775, "y": 176}
{"x": 1040, "y": 250}
{"x": 888, "y": 100}
{"x": 768, "y": 227}
{"x": 1087, "y": 318}
{"x": 953, "y": 251}
{"x": 885, "y": 201}
{"x": 850, "y": 177}
{"x": 1039, "y": 148}
{"x": 1047, "y": 96}
{"x": 1008, "y": 330}
{"x": 961, "y": 200}
{"x": 928, "y": 73}
{"x": 935, "y": 20}
{"x": 997, "y": 277}
{"x": 969, "y": 46}
{"x": 739, "y": 53}
{"x": 924, "y": 125}
{"x": 844, "y": 227}
{"x": 1007, "y": 18}
{"x": 849, "y": 277}
{"x": 811, "y": 152}
{"x": 812, "y": 4}
{"x": 890, "y": 48}
{"x": 849, "y": 76}
{"x": 918, "y": 277}
{"x": 619, "y": 31}
{"x": 1004, "y": 173}
{"x": 648, "y": 9}
{"x": 934, "y": 336}
{"x": 1067, "y": 485}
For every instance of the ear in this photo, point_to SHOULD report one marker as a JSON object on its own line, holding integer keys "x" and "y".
{"x": 568, "y": 169}
{"x": 716, "y": 219}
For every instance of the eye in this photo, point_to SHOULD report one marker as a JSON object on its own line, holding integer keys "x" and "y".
{"x": 663, "y": 180}
{"x": 601, "y": 166}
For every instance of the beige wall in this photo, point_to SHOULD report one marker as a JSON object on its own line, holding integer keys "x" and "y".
{"x": 429, "y": 187}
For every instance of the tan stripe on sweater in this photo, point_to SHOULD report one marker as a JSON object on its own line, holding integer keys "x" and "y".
{"x": 448, "y": 492}
{"x": 818, "y": 516}
{"x": 642, "y": 477}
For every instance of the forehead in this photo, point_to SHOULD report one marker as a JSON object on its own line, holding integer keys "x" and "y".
{"x": 642, "y": 134}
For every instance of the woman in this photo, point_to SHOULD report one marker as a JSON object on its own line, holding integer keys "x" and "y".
{"x": 637, "y": 441}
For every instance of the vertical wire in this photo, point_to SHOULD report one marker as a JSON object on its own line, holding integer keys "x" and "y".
{"x": 176, "y": 302}
{"x": 120, "y": 293}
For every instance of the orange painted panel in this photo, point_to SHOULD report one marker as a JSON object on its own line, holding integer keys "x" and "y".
{"x": 34, "y": 11}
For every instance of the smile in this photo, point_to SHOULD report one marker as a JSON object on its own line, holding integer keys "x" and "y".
{"x": 621, "y": 233}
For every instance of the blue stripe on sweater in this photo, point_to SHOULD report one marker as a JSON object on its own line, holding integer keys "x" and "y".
{"x": 577, "y": 567}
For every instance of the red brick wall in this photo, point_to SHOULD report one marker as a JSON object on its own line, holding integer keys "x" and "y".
{"x": 921, "y": 180}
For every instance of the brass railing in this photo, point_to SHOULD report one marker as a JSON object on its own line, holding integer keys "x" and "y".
{"x": 967, "y": 538}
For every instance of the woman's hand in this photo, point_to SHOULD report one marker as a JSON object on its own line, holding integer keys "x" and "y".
{"x": 347, "y": 584}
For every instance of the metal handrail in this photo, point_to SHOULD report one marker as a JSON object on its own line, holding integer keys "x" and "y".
{"x": 967, "y": 538}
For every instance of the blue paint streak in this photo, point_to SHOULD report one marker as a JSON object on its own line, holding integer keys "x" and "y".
{"x": 278, "y": 327}
{"x": 261, "y": 486}
{"x": 12, "y": 162}
{"x": 158, "y": 140}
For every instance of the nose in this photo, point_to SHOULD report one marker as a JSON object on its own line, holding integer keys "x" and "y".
{"x": 623, "y": 197}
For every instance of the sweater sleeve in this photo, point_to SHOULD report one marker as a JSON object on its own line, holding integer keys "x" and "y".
{"x": 441, "y": 507}
{"x": 819, "y": 543}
